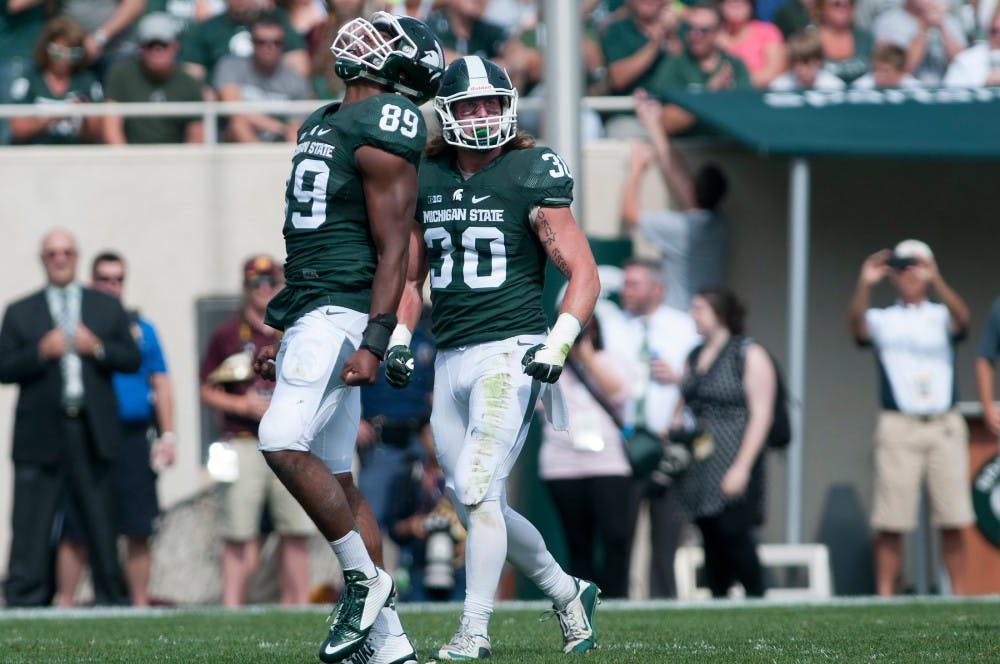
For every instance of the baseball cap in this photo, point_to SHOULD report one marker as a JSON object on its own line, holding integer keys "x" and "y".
{"x": 157, "y": 27}
{"x": 260, "y": 265}
{"x": 913, "y": 249}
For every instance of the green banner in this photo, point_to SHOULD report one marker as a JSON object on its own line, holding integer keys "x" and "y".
{"x": 929, "y": 123}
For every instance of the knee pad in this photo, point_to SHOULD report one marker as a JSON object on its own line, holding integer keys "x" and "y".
{"x": 282, "y": 428}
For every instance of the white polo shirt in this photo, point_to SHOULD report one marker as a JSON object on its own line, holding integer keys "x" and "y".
{"x": 915, "y": 351}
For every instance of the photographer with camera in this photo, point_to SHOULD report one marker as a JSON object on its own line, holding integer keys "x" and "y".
{"x": 424, "y": 524}
{"x": 919, "y": 434}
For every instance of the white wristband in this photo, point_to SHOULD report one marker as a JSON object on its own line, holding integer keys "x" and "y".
{"x": 168, "y": 437}
{"x": 564, "y": 333}
{"x": 401, "y": 336}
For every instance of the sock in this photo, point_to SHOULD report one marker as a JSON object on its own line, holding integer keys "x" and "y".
{"x": 391, "y": 618}
{"x": 352, "y": 554}
{"x": 528, "y": 553}
{"x": 485, "y": 551}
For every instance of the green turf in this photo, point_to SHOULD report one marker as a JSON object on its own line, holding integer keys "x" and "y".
{"x": 918, "y": 631}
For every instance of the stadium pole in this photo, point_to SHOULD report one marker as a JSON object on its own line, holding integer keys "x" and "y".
{"x": 561, "y": 61}
{"x": 798, "y": 307}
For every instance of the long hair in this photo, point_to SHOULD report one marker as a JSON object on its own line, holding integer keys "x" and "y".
{"x": 437, "y": 146}
{"x": 66, "y": 29}
{"x": 728, "y": 307}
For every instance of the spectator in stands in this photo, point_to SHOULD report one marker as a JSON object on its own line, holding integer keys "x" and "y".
{"x": 920, "y": 436}
{"x": 146, "y": 411}
{"x": 323, "y": 81}
{"x": 658, "y": 339}
{"x": 152, "y": 77}
{"x": 757, "y": 43}
{"x": 702, "y": 65}
{"x": 794, "y": 16}
{"x": 845, "y": 46}
{"x": 805, "y": 66}
{"x": 978, "y": 65}
{"x": 303, "y": 15}
{"x": 21, "y": 22}
{"x": 692, "y": 241}
{"x": 888, "y": 70}
{"x": 109, "y": 25}
{"x": 930, "y": 36}
{"x": 262, "y": 76}
{"x": 729, "y": 386}
{"x": 460, "y": 26}
{"x": 239, "y": 397}
{"x": 636, "y": 47}
{"x": 585, "y": 468}
{"x": 204, "y": 44}
{"x": 185, "y": 12}
{"x": 60, "y": 75}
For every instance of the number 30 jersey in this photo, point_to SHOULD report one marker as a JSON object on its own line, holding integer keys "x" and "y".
{"x": 328, "y": 243}
{"x": 486, "y": 265}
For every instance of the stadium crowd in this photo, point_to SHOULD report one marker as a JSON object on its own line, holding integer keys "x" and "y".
{"x": 63, "y": 51}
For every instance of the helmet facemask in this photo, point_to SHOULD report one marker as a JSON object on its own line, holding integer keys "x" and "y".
{"x": 363, "y": 47}
{"x": 483, "y": 132}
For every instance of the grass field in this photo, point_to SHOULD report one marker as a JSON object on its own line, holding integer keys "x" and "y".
{"x": 908, "y": 630}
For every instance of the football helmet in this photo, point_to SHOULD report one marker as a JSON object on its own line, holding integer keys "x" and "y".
{"x": 398, "y": 52}
{"x": 467, "y": 78}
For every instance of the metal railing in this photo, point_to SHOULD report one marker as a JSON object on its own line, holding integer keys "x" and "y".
{"x": 211, "y": 111}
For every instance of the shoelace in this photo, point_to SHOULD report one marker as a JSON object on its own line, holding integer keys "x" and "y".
{"x": 346, "y": 599}
{"x": 463, "y": 639}
{"x": 568, "y": 621}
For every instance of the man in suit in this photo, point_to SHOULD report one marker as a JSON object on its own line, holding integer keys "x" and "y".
{"x": 61, "y": 346}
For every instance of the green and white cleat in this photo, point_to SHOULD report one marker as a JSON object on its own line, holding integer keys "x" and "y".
{"x": 465, "y": 645}
{"x": 360, "y": 604}
{"x": 577, "y": 619}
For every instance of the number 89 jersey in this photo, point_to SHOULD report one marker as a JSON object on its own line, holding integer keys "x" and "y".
{"x": 328, "y": 244}
{"x": 486, "y": 265}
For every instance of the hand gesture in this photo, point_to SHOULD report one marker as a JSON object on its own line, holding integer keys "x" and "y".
{"x": 721, "y": 79}
{"x": 85, "y": 342}
{"x": 361, "y": 368}
{"x": 639, "y": 157}
{"x": 543, "y": 363}
{"x": 398, "y": 366}
{"x": 874, "y": 269}
{"x": 734, "y": 482}
{"x": 53, "y": 345}
{"x": 661, "y": 372}
{"x": 263, "y": 364}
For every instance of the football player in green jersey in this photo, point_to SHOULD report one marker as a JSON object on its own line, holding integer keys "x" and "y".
{"x": 349, "y": 204}
{"x": 491, "y": 209}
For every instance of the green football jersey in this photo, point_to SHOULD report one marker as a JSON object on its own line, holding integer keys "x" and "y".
{"x": 328, "y": 244}
{"x": 486, "y": 264}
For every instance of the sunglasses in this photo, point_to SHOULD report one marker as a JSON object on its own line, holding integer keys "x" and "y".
{"x": 110, "y": 278}
{"x": 71, "y": 53}
{"x": 277, "y": 43}
{"x": 55, "y": 253}
{"x": 256, "y": 282}
{"x": 701, "y": 29}
{"x": 149, "y": 46}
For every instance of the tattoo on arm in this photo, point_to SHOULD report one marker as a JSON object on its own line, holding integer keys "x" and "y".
{"x": 548, "y": 238}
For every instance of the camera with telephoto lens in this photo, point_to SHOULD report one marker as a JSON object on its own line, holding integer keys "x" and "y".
{"x": 900, "y": 263}
{"x": 439, "y": 572}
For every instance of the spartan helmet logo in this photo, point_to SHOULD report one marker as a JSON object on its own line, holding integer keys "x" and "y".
{"x": 457, "y": 196}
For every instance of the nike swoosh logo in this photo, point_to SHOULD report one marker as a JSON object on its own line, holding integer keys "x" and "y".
{"x": 480, "y": 199}
{"x": 329, "y": 650}
{"x": 530, "y": 343}
{"x": 323, "y": 132}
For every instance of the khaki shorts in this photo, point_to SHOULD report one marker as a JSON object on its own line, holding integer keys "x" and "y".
{"x": 243, "y": 499}
{"x": 909, "y": 449}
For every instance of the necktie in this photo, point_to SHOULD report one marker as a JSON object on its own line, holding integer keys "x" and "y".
{"x": 70, "y": 362}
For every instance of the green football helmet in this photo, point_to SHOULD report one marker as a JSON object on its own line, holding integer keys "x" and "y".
{"x": 470, "y": 77}
{"x": 398, "y": 52}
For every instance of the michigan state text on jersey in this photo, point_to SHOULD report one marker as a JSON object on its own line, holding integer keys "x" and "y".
{"x": 486, "y": 262}
{"x": 331, "y": 258}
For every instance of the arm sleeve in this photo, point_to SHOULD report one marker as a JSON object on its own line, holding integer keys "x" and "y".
{"x": 394, "y": 141}
{"x": 546, "y": 181}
